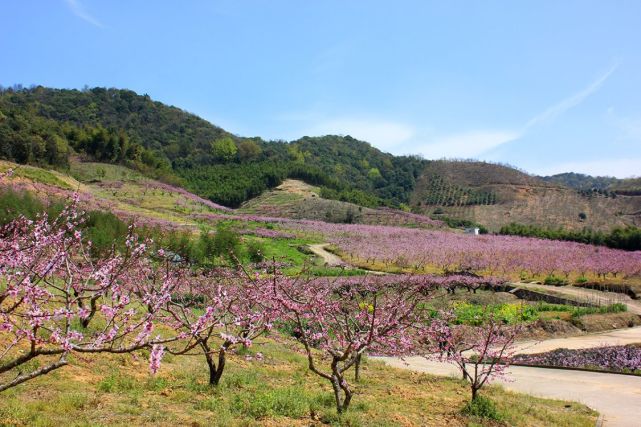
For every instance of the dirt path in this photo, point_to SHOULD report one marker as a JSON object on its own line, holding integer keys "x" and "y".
{"x": 329, "y": 258}
{"x": 583, "y": 294}
{"x": 615, "y": 337}
{"x": 616, "y": 397}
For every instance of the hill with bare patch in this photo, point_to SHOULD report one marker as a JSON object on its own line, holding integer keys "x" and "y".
{"x": 496, "y": 195}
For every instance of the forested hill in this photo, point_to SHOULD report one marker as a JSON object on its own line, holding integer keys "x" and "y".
{"x": 603, "y": 184}
{"x": 44, "y": 126}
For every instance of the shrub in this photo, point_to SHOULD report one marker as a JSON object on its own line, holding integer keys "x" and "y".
{"x": 255, "y": 252}
{"x": 555, "y": 281}
{"x": 482, "y": 407}
{"x": 226, "y": 242}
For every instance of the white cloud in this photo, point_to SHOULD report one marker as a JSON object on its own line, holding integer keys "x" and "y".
{"x": 477, "y": 142}
{"x": 620, "y": 168}
{"x": 467, "y": 144}
{"x": 382, "y": 134}
{"x": 79, "y": 10}
{"x": 568, "y": 103}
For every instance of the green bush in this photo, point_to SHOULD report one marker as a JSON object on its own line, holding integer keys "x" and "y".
{"x": 482, "y": 407}
{"x": 104, "y": 230}
{"x": 582, "y": 279}
{"x": 255, "y": 252}
{"x": 553, "y": 280}
{"x": 226, "y": 243}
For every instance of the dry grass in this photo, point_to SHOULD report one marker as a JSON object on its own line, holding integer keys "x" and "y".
{"x": 279, "y": 391}
{"x": 527, "y": 200}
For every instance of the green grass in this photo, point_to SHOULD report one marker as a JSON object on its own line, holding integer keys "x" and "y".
{"x": 581, "y": 311}
{"x": 34, "y": 174}
{"x": 475, "y": 313}
{"x": 279, "y": 391}
{"x": 90, "y": 171}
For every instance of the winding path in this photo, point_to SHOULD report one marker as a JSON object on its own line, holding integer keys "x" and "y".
{"x": 329, "y": 258}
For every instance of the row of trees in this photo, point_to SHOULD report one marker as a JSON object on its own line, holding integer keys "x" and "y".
{"x": 628, "y": 238}
{"x": 58, "y": 300}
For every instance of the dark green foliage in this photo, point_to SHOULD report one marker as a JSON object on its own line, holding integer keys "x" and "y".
{"x": 44, "y": 126}
{"x": 482, "y": 407}
{"x": 553, "y": 280}
{"x": 104, "y": 230}
{"x": 462, "y": 223}
{"x": 226, "y": 243}
{"x": 231, "y": 184}
{"x": 357, "y": 197}
{"x": 594, "y": 186}
{"x": 13, "y": 204}
{"x": 580, "y": 181}
{"x": 628, "y": 238}
{"x": 255, "y": 252}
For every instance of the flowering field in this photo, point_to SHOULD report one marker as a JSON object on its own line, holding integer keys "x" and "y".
{"x": 613, "y": 358}
{"x": 64, "y": 309}
{"x": 441, "y": 251}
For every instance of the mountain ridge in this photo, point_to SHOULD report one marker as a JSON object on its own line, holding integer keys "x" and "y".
{"x": 45, "y": 126}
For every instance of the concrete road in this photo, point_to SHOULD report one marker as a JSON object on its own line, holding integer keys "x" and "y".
{"x": 615, "y": 337}
{"x": 616, "y": 397}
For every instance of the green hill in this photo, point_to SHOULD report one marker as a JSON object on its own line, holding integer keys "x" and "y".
{"x": 45, "y": 126}
{"x": 49, "y": 127}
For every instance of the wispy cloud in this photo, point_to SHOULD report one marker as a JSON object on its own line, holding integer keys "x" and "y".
{"x": 80, "y": 11}
{"x": 568, "y": 103}
{"x": 477, "y": 142}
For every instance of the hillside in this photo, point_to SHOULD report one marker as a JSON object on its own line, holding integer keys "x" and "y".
{"x": 51, "y": 127}
{"x": 627, "y": 186}
{"x": 45, "y": 126}
{"x": 495, "y": 195}
{"x": 297, "y": 200}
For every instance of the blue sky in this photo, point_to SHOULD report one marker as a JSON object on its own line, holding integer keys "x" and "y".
{"x": 548, "y": 86}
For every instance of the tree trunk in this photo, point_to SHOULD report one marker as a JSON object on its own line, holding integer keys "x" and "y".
{"x": 337, "y": 395}
{"x": 215, "y": 370}
{"x": 357, "y": 368}
{"x": 474, "y": 393}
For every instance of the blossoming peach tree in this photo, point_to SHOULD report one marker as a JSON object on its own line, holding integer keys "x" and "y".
{"x": 482, "y": 353}
{"x": 336, "y": 323}
{"x": 56, "y": 300}
{"x": 214, "y": 312}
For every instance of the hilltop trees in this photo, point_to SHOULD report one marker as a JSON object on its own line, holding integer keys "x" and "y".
{"x": 224, "y": 149}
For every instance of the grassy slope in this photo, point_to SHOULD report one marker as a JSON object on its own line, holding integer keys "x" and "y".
{"x": 525, "y": 199}
{"x": 298, "y": 200}
{"x": 279, "y": 391}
